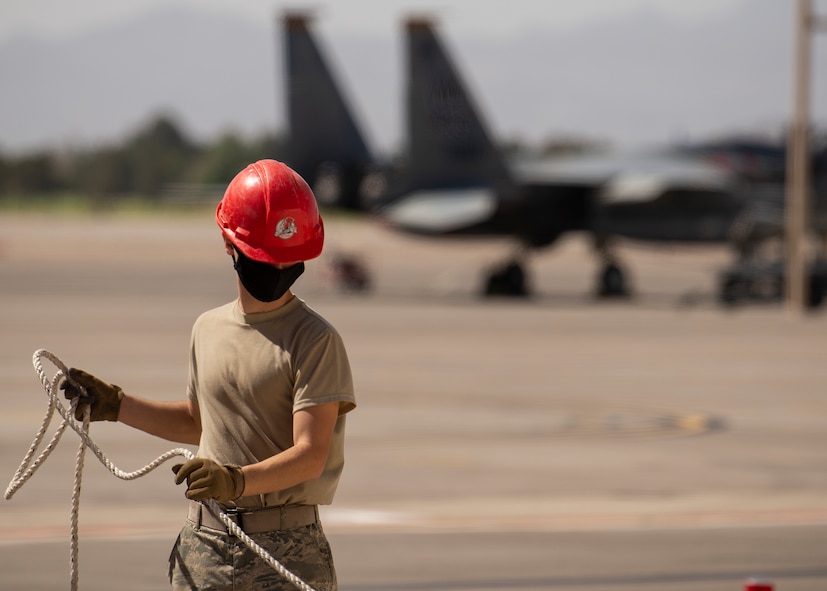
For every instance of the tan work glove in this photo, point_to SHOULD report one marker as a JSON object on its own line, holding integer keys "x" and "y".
{"x": 105, "y": 399}
{"x": 207, "y": 479}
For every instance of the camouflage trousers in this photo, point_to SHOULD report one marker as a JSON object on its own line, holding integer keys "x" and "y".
{"x": 206, "y": 559}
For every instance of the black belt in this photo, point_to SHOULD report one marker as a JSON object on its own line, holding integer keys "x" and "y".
{"x": 255, "y": 521}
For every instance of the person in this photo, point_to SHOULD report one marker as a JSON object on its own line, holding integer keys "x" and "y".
{"x": 268, "y": 390}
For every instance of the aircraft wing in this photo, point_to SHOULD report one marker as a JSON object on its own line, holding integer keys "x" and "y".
{"x": 624, "y": 177}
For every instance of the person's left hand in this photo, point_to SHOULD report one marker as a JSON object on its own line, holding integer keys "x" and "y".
{"x": 207, "y": 479}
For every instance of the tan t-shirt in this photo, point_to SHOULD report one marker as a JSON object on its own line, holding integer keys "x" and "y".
{"x": 250, "y": 372}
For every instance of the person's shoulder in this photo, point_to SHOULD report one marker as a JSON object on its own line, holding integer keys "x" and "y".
{"x": 311, "y": 317}
{"x": 215, "y": 314}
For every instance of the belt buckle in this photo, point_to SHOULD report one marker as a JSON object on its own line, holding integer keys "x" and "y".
{"x": 234, "y": 515}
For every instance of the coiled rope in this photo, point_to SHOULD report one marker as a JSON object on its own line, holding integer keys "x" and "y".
{"x": 29, "y": 466}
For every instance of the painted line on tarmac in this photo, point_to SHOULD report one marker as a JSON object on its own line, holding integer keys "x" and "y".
{"x": 55, "y": 533}
{"x": 362, "y": 521}
{"x": 347, "y": 521}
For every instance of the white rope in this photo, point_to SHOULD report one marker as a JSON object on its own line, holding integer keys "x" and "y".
{"x": 28, "y": 467}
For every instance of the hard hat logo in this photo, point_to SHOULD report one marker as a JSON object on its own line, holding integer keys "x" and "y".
{"x": 286, "y": 228}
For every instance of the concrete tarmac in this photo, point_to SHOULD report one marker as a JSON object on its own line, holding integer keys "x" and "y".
{"x": 659, "y": 443}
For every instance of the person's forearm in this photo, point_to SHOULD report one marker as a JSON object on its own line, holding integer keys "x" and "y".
{"x": 172, "y": 421}
{"x": 312, "y": 432}
{"x": 293, "y": 466}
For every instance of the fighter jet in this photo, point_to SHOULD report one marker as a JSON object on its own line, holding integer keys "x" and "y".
{"x": 456, "y": 180}
{"x": 459, "y": 182}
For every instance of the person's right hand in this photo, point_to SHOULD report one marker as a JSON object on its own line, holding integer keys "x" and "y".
{"x": 104, "y": 399}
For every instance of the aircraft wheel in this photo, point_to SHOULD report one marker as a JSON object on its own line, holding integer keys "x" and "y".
{"x": 508, "y": 280}
{"x": 732, "y": 290}
{"x": 612, "y": 282}
{"x": 818, "y": 287}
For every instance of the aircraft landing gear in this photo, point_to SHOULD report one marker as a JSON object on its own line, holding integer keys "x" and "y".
{"x": 763, "y": 281}
{"x": 507, "y": 280}
{"x": 611, "y": 282}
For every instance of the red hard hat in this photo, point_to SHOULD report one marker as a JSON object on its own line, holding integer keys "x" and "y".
{"x": 270, "y": 214}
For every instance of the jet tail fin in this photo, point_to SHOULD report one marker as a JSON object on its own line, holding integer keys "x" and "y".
{"x": 325, "y": 145}
{"x": 449, "y": 145}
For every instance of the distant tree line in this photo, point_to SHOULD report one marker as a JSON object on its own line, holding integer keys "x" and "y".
{"x": 160, "y": 161}
{"x": 156, "y": 157}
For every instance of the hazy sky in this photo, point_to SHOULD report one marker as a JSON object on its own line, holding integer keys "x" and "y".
{"x": 656, "y": 96}
{"x": 71, "y": 17}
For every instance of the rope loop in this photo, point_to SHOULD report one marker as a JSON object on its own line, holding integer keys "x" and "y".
{"x": 30, "y": 464}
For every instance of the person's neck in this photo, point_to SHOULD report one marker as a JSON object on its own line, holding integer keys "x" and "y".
{"x": 250, "y": 305}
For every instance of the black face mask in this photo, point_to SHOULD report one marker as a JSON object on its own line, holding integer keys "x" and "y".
{"x": 265, "y": 282}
